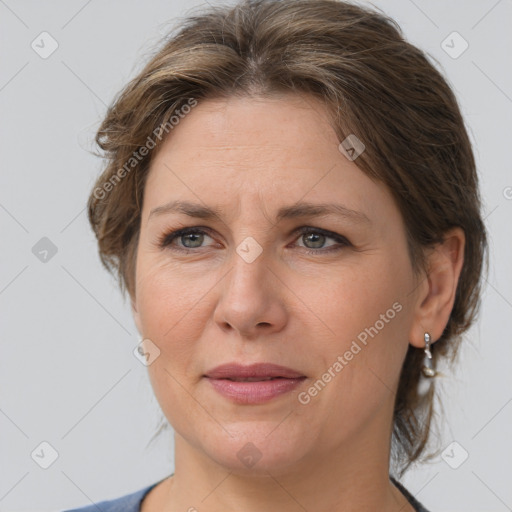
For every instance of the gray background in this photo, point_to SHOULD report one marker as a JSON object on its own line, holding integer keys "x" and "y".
{"x": 67, "y": 372}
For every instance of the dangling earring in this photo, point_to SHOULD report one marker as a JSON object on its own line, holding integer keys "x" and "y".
{"x": 428, "y": 367}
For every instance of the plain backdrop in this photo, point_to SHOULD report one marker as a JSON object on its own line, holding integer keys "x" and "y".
{"x": 68, "y": 375}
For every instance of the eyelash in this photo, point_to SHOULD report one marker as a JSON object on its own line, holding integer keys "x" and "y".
{"x": 166, "y": 240}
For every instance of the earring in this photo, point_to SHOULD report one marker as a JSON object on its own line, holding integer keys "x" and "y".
{"x": 428, "y": 367}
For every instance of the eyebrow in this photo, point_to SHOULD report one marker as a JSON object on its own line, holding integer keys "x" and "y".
{"x": 298, "y": 210}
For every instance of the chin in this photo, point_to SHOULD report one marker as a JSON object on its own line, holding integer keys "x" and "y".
{"x": 257, "y": 449}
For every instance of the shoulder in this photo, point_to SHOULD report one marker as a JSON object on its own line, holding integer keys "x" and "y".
{"x": 418, "y": 507}
{"x": 128, "y": 503}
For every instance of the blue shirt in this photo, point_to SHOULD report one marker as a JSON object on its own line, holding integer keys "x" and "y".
{"x": 128, "y": 503}
{"x": 132, "y": 502}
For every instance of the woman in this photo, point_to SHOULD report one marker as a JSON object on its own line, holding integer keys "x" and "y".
{"x": 291, "y": 202}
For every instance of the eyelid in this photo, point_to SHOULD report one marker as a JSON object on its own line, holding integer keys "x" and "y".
{"x": 329, "y": 234}
{"x": 168, "y": 237}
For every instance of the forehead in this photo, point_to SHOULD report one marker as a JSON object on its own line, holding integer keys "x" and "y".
{"x": 242, "y": 150}
{"x": 289, "y": 127}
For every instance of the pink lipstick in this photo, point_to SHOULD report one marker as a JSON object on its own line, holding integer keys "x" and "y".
{"x": 253, "y": 384}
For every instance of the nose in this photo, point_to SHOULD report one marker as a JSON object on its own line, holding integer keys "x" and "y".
{"x": 251, "y": 299}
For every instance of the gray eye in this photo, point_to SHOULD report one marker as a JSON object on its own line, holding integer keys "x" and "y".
{"x": 315, "y": 240}
{"x": 195, "y": 239}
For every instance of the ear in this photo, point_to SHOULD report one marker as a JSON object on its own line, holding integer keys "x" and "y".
{"x": 136, "y": 315}
{"x": 437, "y": 292}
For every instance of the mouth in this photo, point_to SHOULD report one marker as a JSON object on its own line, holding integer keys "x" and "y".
{"x": 253, "y": 384}
{"x": 252, "y": 379}
{"x": 257, "y": 371}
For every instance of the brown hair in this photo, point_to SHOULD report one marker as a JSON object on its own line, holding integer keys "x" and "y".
{"x": 375, "y": 85}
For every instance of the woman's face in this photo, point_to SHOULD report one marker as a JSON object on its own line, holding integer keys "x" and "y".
{"x": 333, "y": 303}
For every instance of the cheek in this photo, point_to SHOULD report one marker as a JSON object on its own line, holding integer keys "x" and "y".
{"x": 348, "y": 302}
{"x": 171, "y": 315}
{"x": 168, "y": 299}
{"x": 367, "y": 316}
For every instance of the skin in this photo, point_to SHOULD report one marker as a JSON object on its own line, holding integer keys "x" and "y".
{"x": 248, "y": 157}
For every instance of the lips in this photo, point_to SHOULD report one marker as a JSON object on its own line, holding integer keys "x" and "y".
{"x": 253, "y": 372}
{"x": 253, "y": 384}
